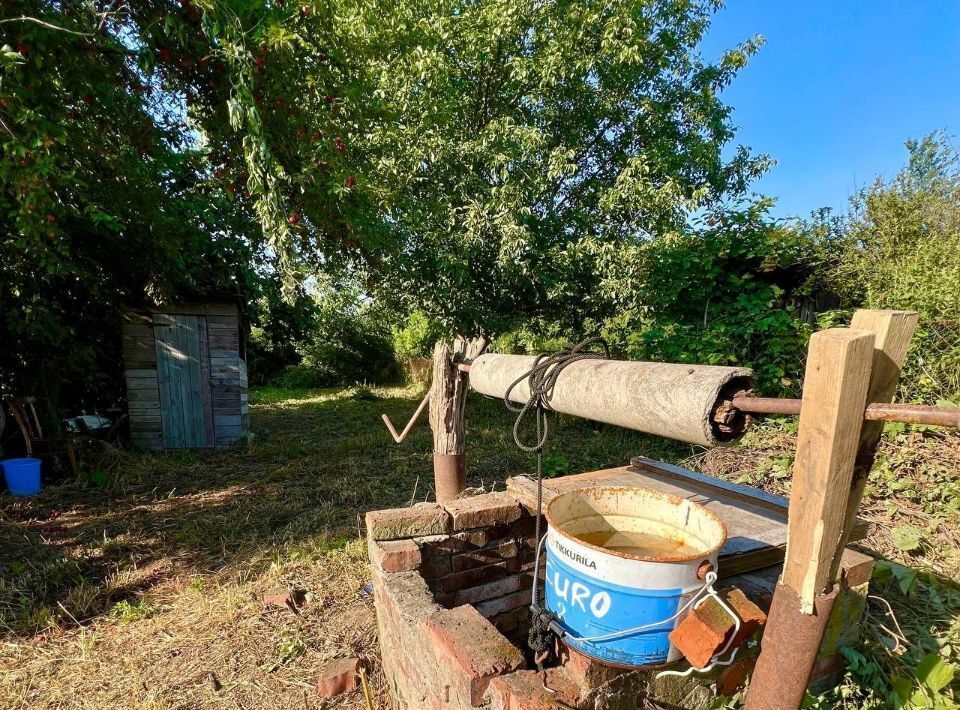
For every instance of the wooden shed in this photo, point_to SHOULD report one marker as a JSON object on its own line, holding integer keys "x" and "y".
{"x": 186, "y": 376}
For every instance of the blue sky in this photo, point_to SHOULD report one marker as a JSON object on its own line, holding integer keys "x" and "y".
{"x": 838, "y": 88}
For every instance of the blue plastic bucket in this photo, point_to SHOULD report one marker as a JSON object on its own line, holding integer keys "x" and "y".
{"x": 22, "y": 475}
{"x": 623, "y": 558}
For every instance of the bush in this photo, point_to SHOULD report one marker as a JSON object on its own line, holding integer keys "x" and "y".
{"x": 903, "y": 251}
{"x": 416, "y": 339}
{"x": 723, "y": 295}
{"x": 349, "y": 341}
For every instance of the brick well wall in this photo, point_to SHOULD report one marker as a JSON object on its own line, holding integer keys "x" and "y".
{"x": 452, "y": 590}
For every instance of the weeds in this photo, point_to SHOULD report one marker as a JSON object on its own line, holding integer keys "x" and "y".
{"x": 165, "y": 565}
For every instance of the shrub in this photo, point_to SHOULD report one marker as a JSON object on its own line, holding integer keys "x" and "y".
{"x": 903, "y": 251}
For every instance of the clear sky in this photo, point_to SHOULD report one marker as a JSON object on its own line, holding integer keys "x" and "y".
{"x": 838, "y": 88}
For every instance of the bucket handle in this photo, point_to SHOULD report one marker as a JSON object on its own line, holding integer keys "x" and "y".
{"x": 699, "y": 597}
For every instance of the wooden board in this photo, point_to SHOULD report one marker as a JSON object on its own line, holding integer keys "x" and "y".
{"x": 756, "y": 521}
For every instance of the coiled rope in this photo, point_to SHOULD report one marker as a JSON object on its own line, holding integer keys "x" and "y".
{"x": 541, "y": 379}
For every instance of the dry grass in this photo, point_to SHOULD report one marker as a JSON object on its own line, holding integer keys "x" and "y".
{"x": 147, "y": 592}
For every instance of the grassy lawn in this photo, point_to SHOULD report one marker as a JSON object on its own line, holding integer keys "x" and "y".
{"x": 146, "y": 591}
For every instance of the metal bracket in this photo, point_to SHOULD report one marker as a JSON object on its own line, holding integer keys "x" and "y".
{"x": 413, "y": 420}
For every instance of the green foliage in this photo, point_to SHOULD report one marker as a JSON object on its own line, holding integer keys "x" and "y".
{"x": 281, "y": 325}
{"x": 532, "y": 142}
{"x": 126, "y": 611}
{"x": 903, "y": 251}
{"x": 719, "y": 296}
{"x": 103, "y": 201}
{"x": 417, "y": 336}
{"x": 347, "y": 341}
{"x": 477, "y": 162}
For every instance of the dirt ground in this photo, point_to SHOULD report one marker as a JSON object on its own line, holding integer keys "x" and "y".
{"x": 146, "y": 591}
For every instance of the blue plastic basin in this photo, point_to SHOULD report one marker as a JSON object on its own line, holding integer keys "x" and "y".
{"x": 23, "y": 476}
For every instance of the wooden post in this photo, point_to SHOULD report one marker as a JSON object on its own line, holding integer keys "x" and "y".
{"x": 448, "y": 393}
{"x": 837, "y": 378}
{"x": 892, "y": 332}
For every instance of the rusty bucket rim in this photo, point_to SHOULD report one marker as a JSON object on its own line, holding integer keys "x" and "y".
{"x": 671, "y": 559}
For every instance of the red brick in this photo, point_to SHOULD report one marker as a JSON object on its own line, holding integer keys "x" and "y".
{"x": 733, "y": 678}
{"x": 398, "y": 523}
{"x": 483, "y": 511}
{"x": 585, "y": 671}
{"x": 510, "y": 620}
{"x": 485, "y": 556}
{"x": 474, "y": 651}
{"x": 434, "y": 564}
{"x": 394, "y": 555}
{"x": 492, "y": 590}
{"x": 478, "y": 575}
{"x": 524, "y": 690}
{"x": 751, "y": 616}
{"x": 284, "y": 598}
{"x": 702, "y": 633}
{"x": 338, "y": 676}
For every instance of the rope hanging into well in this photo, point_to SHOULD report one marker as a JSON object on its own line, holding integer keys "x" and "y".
{"x": 541, "y": 379}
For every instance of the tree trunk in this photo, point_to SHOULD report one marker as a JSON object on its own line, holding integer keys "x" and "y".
{"x": 448, "y": 396}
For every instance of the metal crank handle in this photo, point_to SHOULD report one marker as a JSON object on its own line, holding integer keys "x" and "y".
{"x": 413, "y": 420}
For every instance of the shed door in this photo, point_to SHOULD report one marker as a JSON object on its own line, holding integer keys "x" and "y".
{"x": 183, "y": 370}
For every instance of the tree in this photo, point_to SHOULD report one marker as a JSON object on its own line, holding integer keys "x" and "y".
{"x": 903, "y": 251}
{"x": 529, "y": 142}
{"x": 104, "y": 201}
{"x": 478, "y": 161}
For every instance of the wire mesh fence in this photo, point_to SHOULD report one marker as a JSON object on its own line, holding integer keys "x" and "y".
{"x": 931, "y": 374}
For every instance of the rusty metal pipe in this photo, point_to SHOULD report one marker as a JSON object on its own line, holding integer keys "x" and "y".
{"x": 877, "y": 411}
{"x": 788, "y": 650}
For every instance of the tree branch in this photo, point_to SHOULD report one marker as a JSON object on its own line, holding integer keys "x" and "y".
{"x": 48, "y": 25}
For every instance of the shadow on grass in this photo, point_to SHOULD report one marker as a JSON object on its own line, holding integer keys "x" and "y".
{"x": 317, "y": 462}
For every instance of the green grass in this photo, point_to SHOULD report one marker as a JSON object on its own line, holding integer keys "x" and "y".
{"x": 156, "y": 572}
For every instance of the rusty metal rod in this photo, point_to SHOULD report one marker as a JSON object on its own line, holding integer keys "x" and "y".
{"x": 906, "y": 413}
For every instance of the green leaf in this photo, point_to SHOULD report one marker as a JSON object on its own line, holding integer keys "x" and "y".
{"x": 934, "y": 673}
{"x": 906, "y": 537}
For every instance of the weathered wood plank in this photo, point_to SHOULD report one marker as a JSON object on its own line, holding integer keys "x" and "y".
{"x": 134, "y": 373}
{"x": 144, "y": 396}
{"x": 216, "y": 322}
{"x": 892, "y": 331}
{"x": 839, "y": 361}
{"x": 207, "y": 395}
{"x": 222, "y": 421}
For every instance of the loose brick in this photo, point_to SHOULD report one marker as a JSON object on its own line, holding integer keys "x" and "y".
{"x": 492, "y": 607}
{"x": 474, "y": 651}
{"x": 751, "y": 616}
{"x": 483, "y": 511}
{"x": 485, "y": 556}
{"x": 394, "y": 555}
{"x": 398, "y": 523}
{"x": 284, "y": 598}
{"x": 702, "y": 632}
{"x": 338, "y": 676}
